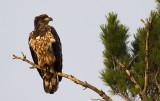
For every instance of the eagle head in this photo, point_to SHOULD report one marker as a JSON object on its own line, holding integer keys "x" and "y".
{"x": 42, "y": 20}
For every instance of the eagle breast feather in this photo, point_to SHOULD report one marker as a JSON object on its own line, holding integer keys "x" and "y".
{"x": 42, "y": 45}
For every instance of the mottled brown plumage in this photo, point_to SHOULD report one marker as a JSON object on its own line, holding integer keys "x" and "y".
{"x": 45, "y": 47}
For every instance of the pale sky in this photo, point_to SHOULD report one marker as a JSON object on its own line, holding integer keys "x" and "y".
{"x": 77, "y": 23}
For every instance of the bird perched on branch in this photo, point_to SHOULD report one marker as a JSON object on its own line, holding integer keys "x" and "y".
{"x": 45, "y": 48}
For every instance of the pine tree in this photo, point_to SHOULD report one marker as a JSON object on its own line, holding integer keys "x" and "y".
{"x": 132, "y": 72}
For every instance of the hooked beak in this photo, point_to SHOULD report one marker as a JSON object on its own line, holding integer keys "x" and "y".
{"x": 48, "y": 19}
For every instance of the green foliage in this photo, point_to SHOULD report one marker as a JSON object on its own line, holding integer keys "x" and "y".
{"x": 118, "y": 33}
{"x": 158, "y": 1}
{"x": 112, "y": 81}
{"x": 154, "y": 56}
{"x": 114, "y": 38}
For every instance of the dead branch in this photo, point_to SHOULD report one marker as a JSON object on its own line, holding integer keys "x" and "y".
{"x": 72, "y": 78}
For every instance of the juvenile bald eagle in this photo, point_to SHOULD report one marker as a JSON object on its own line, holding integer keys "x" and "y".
{"x": 45, "y": 48}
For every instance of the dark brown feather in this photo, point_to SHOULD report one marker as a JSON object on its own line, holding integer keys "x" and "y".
{"x": 57, "y": 47}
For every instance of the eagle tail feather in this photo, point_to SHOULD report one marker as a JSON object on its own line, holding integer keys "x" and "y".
{"x": 50, "y": 83}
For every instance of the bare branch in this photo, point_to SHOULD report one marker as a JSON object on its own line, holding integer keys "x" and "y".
{"x": 86, "y": 85}
{"x": 122, "y": 66}
{"x": 143, "y": 22}
{"x": 133, "y": 80}
{"x": 129, "y": 74}
{"x": 148, "y": 26}
{"x": 131, "y": 62}
{"x": 137, "y": 86}
{"x": 24, "y": 59}
{"x": 146, "y": 62}
{"x": 72, "y": 78}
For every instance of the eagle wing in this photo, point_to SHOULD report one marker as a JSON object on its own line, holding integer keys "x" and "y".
{"x": 57, "y": 49}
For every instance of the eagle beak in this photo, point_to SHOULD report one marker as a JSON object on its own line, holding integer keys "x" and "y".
{"x": 48, "y": 19}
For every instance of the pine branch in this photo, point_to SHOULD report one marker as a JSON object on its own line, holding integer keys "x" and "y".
{"x": 137, "y": 86}
{"x": 133, "y": 80}
{"x": 146, "y": 59}
{"x": 72, "y": 78}
{"x": 148, "y": 28}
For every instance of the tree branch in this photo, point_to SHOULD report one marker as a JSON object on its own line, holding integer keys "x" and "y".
{"x": 131, "y": 62}
{"x": 72, "y": 78}
{"x": 129, "y": 74}
{"x": 137, "y": 86}
{"x": 133, "y": 80}
{"x": 148, "y": 28}
{"x": 146, "y": 60}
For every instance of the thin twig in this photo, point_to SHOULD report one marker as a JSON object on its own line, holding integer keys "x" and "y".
{"x": 131, "y": 62}
{"x": 24, "y": 59}
{"x": 84, "y": 84}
